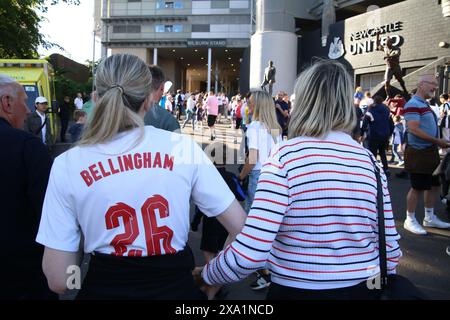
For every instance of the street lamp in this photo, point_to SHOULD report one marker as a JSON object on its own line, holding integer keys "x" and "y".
{"x": 96, "y": 29}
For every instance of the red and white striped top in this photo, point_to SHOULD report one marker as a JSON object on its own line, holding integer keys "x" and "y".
{"x": 313, "y": 222}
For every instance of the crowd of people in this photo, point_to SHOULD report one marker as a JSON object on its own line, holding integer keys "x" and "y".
{"x": 308, "y": 227}
{"x": 417, "y": 129}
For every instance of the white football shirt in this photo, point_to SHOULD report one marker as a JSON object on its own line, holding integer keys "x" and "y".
{"x": 259, "y": 138}
{"x": 130, "y": 198}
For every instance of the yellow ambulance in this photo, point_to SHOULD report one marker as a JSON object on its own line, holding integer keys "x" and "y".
{"x": 36, "y": 77}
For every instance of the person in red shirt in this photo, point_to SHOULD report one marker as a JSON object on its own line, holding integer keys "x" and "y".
{"x": 396, "y": 105}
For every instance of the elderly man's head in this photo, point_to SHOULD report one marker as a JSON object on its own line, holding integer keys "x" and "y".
{"x": 427, "y": 86}
{"x": 13, "y": 107}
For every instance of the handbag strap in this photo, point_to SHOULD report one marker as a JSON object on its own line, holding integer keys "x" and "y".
{"x": 381, "y": 228}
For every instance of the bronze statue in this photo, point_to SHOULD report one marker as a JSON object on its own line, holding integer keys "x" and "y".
{"x": 393, "y": 69}
{"x": 269, "y": 77}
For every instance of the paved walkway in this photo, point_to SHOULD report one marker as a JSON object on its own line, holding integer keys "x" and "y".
{"x": 424, "y": 260}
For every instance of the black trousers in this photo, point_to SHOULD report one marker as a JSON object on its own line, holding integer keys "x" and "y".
{"x": 166, "y": 277}
{"x": 377, "y": 146}
{"x": 358, "y": 292}
{"x": 64, "y": 125}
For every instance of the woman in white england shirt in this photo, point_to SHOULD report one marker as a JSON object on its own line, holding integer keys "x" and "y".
{"x": 126, "y": 188}
{"x": 262, "y": 134}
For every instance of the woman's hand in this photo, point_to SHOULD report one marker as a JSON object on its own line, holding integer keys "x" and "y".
{"x": 209, "y": 290}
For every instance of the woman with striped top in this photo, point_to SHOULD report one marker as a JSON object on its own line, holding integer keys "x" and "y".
{"x": 313, "y": 222}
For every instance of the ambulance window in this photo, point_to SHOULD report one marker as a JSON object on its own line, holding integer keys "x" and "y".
{"x": 32, "y": 94}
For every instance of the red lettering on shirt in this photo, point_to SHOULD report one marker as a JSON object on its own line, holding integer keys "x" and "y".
{"x": 111, "y": 166}
{"x": 86, "y": 177}
{"x": 157, "y": 161}
{"x": 94, "y": 172}
{"x": 102, "y": 170}
{"x": 128, "y": 162}
{"x": 168, "y": 162}
{"x": 147, "y": 159}
{"x": 137, "y": 160}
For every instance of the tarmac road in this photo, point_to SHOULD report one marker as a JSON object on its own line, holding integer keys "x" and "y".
{"x": 425, "y": 261}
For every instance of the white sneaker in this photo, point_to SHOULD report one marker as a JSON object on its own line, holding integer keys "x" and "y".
{"x": 435, "y": 222}
{"x": 401, "y": 163}
{"x": 413, "y": 226}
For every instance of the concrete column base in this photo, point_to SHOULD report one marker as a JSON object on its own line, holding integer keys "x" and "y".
{"x": 281, "y": 48}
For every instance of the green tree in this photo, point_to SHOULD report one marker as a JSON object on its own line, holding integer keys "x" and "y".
{"x": 19, "y": 27}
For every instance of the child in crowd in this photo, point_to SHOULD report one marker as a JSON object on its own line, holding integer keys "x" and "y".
{"x": 76, "y": 129}
{"x": 397, "y": 140}
{"x": 200, "y": 111}
{"x": 213, "y": 233}
{"x": 443, "y": 172}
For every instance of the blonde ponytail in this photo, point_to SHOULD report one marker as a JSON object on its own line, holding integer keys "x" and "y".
{"x": 123, "y": 83}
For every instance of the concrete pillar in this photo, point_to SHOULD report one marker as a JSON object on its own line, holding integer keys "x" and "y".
{"x": 274, "y": 26}
{"x": 104, "y": 30}
{"x": 208, "y": 71}
{"x": 216, "y": 77}
{"x": 445, "y": 8}
{"x": 285, "y": 61}
{"x": 155, "y": 56}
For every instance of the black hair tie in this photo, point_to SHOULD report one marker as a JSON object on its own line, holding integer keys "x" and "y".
{"x": 117, "y": 86}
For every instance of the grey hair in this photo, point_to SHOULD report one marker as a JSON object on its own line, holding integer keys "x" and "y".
{"x": 6, "y": 84}
{"x": 324, "y": 101}
{"x": 123, "y": 83}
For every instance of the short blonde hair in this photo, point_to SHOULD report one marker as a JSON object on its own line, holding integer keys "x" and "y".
{"x": 324, "y": 101}
{"x": 123, "y": 83}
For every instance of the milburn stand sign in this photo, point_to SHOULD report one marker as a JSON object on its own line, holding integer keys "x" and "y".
{"x": 206, "y": 43}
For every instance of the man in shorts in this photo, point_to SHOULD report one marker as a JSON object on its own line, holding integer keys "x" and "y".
{"x": 212, "y": 106}
{"x": 423, "y": 141}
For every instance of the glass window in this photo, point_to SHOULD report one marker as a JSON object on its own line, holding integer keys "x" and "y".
{"x": 32, "y": 93}
{"x": 133, "y": 29}
{"x": 200, "y": 28}
{"x": 178, "y": 5}
{"x": 119, "y": 29}
{"x": 169, "y": 5}
{"x": 169, "y": 28}
{"x": 126, "y": 29}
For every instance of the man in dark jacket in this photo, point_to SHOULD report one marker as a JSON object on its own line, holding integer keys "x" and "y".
{"x": 381, "y": 127}
{"x": 24, "y": 169}
{"x": 38, "y": 123}
{"x": 64, "y": 115}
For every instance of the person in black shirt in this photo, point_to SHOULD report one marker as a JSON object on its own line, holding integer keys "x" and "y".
{"x": 64, "y": 115}
{"x": 282, "y": 110}
{"x": 24, "y": 170}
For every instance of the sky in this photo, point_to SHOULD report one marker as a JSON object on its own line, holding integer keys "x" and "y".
{"x": 72, "y": 28}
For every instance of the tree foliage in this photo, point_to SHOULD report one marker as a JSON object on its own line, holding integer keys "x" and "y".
{"x": 19, "y": 27}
